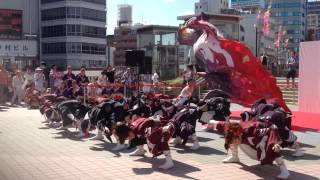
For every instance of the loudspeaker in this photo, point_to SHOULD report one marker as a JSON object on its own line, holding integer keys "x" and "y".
{"x": 146, "y": 66}
{"x": 134, "y": 57}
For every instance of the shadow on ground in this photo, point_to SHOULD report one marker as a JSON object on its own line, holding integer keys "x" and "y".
{"x": 66, "y": 134}
{"x": 180, "y": 169}
{"x": 288, "y": 156}
{"x": 105, "y": 146}
{"x": 203, "y": 150}
{"x": 271, "y": 172}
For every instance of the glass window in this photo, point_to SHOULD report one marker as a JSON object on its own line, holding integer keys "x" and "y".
{"x": 53, "y": 14}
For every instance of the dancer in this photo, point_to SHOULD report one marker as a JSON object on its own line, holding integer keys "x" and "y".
{"x": 256, "y": 139}
{"x": 146, "y": 131}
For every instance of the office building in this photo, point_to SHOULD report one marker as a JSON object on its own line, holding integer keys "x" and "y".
{"x": 313, "y": 21}
{"x": 19, "y": 33}
{"x": 73, "y": 32}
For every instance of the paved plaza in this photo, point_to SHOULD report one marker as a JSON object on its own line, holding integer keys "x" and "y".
{"x": 29, "y": 151}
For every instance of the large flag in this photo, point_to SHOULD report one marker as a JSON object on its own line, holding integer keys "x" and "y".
{"x": 232, "y": 67}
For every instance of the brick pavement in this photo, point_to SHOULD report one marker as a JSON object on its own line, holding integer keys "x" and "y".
{"x": 29, "y": 150}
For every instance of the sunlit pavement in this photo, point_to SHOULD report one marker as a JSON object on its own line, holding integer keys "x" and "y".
{"x": 30, "y": 150}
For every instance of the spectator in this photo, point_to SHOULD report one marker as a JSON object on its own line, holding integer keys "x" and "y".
{"x": 155, "y": 78}
{"x": 81, "y": 78}
{"x": 155, "y": 81}
{"x": 264, "y": 61}
{"x": 4, "y": 83}
{"x": 291, "y": 63}
{"x": 110, "y": 74}
{"x": 189, "y": 74}
{"x": 39, "y": 80}
{"x": 28, "y": 78}
{"x": 94, "y": 89}
{"x": 69, "y": 77}
{"x": 32, "y": 96}
{"x": 46, "y": 73}
{"x": 17, "y": 86}
{"x": 102, "y": 80}
{"x": 76, "y": 91}
{"x": 55, "y": 78}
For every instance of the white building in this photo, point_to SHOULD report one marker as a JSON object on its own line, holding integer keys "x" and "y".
{"x": 210, "y": 6}
{"x": 74, "y": 33}
{"x": 252, "y": 34}
{"x": 124, "y": 14}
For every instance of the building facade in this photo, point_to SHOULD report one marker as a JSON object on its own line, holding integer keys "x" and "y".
{"x": 125, "y": 38}
{"x": 313, "y": 21}
{"x": 160, "y": 44}
{"x": 291, "y": 16}
{"x": 248, "y": 5}
{"x": 19, "y": 33}
{"x": 73, "y": 32}
{"x": 251, "y": 33}
{"x": 209, "y": 6}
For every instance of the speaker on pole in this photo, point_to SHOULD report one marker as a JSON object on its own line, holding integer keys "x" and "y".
{"x": 146, "y": 66}
{"x": 134, "y": 58}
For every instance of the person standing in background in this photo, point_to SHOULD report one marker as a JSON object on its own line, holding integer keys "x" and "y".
{"x": 17, "y": 86}
{"x": 4, "y": 83}
{"x": 55, "y": 78}
{"x": 28, "y": 78}
{"x": 69, "y": 77}
{"x": 46, "y": 74}
{"x": 292, "y": 69}
{"x": 39, "y": 80}
{"x": 110, "y": 74}
{"x": 264, "y": 61}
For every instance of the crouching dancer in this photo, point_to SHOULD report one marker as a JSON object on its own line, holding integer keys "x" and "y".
{"x": 71, "y": 112}
{"x": 147, "y": 131}
{"x": 258, "y": 140}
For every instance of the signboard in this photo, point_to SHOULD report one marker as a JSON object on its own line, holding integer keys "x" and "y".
{"x": 246, "y": 3}
{"x": 10, "y": 24}
{"x": 18, "y": 48}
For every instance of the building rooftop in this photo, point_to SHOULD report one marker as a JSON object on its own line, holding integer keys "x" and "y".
{"x": 216, "y": 16}
{"x": 158, "y": 28}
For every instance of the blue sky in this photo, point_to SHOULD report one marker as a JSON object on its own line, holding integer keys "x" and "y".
{"x": 163, "y": 12}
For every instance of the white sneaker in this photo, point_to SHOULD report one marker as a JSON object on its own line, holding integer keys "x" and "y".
{"x": 138, "y": 152}
{"x": 231, "y": 159}
{"x": 284, "y": 173}
{"x": 176, "y": 141}
{"x": 62, "y": 128}
{"x": 119, "y": 147}
{"x": 168, "y": 164}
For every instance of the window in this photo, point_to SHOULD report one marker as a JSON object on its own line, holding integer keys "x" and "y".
{"x": 73, "y": 30}
{"x": 73, "y": 12}
{"x": 49, "y": 1}
{"x": 53, "y": 31}
{"x": 54, "y": 48}
{"x": 93, "y": 14}
{"x": 53, "y": 14}
{"x": 96, "y": 1}
{"x": 89, "y": 48}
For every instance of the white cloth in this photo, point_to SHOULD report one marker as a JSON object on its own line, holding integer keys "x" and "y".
{"x": 28, "y": 78}
{"x": 155, "y": 78}
{"x": 102, "y": 80}
{"x": 17, "y": 84}
{"x": 39, "y": 80}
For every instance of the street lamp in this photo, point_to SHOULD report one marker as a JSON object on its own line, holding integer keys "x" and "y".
{"x": 256, "y": 28}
